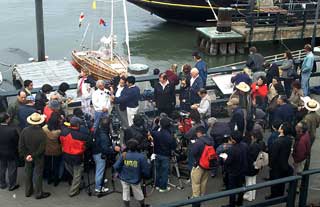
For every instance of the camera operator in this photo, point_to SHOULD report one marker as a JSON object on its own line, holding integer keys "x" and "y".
{"x": 191, "y": 134}
{"x": 101, "y": 149}
{"x": 74, "y": 144}
{"x": 164, "y": 144}
{"x": 138, "y": 132}
{"x": 132, "y": 166}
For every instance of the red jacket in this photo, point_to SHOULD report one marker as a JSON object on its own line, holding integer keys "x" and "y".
{"x": 48, "y": 112}
{"x": 172, "y": 77}
{"x": 302, "y": 148}
{"x": 261, "y": 91}
{"x": 72, "y": 141}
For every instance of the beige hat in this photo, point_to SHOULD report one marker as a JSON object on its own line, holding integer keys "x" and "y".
{"x": 242, "y": 86}
{"x": 233, "y": 102}
{"x": 312, "y": 105}
{"x": 35, "y": 119}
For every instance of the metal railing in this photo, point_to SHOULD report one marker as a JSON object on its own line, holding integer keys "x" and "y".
{"x": 289, "y": 198}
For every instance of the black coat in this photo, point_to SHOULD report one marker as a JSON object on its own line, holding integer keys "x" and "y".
{"x": 253, "y": 153}
{"x": 41, "y": 101}
{"x": 9, "y": 140}
{"x": 138, "y": 133}
{"x": 279, "y": 154}
{"x": 237, "y": 118}
{"x": 236, "y": 163}
{"x": 194, "y": 89}
{"x": 273, "y": 71}
{"x": 164, "y": 98}
{"x": 218, "y": 131}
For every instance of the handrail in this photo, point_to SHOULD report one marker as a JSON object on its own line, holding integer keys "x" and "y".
{"x": 227, "y": 193}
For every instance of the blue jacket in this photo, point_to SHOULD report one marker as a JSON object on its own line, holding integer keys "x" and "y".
{"x": 307, "y": 64}
{"x": 129, "y": 97}
{"x": 194, "y": 89}
{"x": 23, "y": 112}
{"x": 203, "y": 70}
{"x": 163, "y": 142}
{"x": 241, "y": 77}
{"x": 284, "y": 113}
{"x": 133, "y": 167}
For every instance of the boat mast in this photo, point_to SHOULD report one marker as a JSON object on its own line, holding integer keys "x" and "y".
{"x": 84, "y": 36}
{"x": 111, "y": 32}
{"x": 126, "y": 28}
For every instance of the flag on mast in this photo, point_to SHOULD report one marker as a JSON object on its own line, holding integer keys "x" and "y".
{"x": 81, "y": 18}
{"x": 94, "y": 5}
{"x": 102, "y": 22}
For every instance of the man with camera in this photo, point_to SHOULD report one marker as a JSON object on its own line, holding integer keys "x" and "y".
{"x": 164, "y": 143}
{"x": 138, "y": 132}
{"x": 102, "y": 149}
{"x": 73, "y": 144}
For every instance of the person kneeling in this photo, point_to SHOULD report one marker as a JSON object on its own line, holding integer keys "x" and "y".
{"x": 132, "y": 166}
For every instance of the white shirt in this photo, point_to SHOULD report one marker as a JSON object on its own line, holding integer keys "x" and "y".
{"x": 164, "y": 85}
{"x": 119, "y": 90}
{"x": 193, "y": 79}
{"x": 204, "y": 106}
{"x": 101, "y": 99}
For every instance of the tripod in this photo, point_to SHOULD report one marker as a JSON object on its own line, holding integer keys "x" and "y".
{"x": 174, "y": 164}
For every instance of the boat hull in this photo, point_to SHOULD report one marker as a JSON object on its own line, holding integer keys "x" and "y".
{"x": 97, "y": 68}
{"x": 192, "y": 12}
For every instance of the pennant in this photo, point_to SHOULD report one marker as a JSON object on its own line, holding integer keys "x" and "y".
{"x": 94, "y": 5}
{"x": 81, "y": 18}
{"x": 102, "y": 22}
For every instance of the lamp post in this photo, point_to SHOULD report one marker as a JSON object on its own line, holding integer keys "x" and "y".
{"x": 314, "y": 35}
{"x": 40, "y": 32}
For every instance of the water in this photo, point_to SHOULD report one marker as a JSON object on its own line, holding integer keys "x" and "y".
{"x": 152, "y": 40}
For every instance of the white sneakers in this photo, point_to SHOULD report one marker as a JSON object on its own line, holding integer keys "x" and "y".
{"x": 102, "y": 190}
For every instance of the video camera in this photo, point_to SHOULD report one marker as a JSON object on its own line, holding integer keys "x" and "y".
{"x": 115, "y": 127}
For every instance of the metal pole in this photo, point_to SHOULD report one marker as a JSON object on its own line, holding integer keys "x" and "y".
{"x": 314, "y": 35}
{"x": 40, "y": 32}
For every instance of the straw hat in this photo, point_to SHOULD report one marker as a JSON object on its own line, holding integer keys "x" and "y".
{"x": 312, "y": 105}
{"x": 242, "y": 86}
{"x": 35, "y": 119}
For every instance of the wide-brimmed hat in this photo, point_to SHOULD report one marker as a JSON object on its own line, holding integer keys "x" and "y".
{"x": 242, "y": 86}
{"x": 312, "y": 105}
{"x": 35, "y": 119}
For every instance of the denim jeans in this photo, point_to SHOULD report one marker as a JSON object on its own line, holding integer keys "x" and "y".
{"x": 305, "y": 83}
{"x": 100, "y": 166}
{"x": 162, "y": 170}
{"x": 97, "y": 116}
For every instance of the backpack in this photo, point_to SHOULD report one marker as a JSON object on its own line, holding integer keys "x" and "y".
{"x": 262, "y": 160}
{"x": 208, "y": 157}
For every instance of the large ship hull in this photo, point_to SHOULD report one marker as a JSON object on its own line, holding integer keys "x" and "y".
{"x": 183, "y": 11}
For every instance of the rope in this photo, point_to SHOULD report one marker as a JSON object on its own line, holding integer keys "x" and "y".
{"x": 5, "y": 64}
{"x": 214, "y": 13}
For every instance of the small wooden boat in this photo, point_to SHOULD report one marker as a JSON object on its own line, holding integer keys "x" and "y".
{"x": 104, "y": 63}
{"x": 99, "y": 66}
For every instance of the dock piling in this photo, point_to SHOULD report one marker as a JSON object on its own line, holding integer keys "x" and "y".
{"x": 40, "y": 31}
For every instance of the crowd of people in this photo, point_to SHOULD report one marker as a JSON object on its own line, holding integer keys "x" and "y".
{"x": 40, "y": 133}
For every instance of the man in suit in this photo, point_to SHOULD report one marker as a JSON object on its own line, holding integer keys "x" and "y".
{"x": 196, "y": 84}
{"x": 164, "y": 95}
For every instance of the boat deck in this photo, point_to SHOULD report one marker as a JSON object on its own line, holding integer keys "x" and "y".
{"x": 52, "y": 72}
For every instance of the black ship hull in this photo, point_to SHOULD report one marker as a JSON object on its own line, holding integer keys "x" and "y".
{"x": 194, "y": 12}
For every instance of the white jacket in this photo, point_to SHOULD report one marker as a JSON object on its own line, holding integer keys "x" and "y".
{"x": 85, "y": 89}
